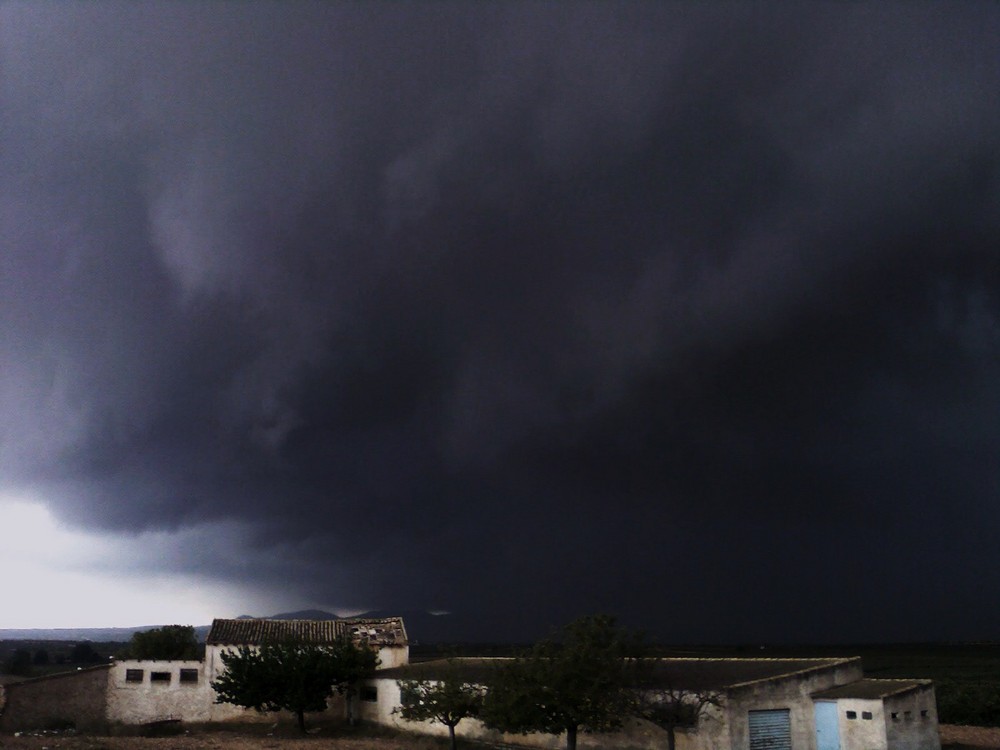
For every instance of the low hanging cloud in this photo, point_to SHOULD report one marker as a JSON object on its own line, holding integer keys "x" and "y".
{"x": 515, "y": 308}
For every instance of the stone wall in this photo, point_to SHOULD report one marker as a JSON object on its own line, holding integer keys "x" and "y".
{"x": 72, "y": 699}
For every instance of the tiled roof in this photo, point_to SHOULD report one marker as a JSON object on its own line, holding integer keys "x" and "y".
{"x": 387, "y": 631}
{"x": 680, "y": 673}
{"x": 381, "y": 631}
{"x": 869, "y": 689}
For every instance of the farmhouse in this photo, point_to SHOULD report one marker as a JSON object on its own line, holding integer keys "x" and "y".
{"x": 144, "y": 692}
{"x": 764, "y": 704}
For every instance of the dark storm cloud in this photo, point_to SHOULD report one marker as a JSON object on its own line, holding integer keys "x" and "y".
{"x": 688, "y": 314}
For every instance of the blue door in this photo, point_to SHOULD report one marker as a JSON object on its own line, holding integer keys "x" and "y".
{"x": 827, "y": 729}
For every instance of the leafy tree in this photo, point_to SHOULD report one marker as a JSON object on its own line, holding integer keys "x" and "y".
{"x": 580, "y": 683}
{"x": 41, "y": 657}
{"x": 171, "y": 642}
{"x": 291, "y": 676}
{"x": 446, "y": 701}
{"x": 18, "y": 663}
{"x": 670, "y": 708}
{"x": 84, "y": 653}
{"x": 357, "y": 662}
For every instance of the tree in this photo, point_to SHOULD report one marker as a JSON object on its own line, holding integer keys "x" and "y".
{"x": 171, "y": 642}
{"x": 291, "y": 676}
{"x": 18, "y": 663}
{"x": 84, "y": 653}
{"x": 446, "y": 701}
{"x": 41, "y": 657}
{"x": 580, "y": 683}
{"x": 670, "y": 708}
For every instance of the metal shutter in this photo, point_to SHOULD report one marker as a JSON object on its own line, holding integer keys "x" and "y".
{"x": 771, "y": 730}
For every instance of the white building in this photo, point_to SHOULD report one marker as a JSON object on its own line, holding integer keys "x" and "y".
{"x": 146, "y": 692}
{"x": 765, "y": 704}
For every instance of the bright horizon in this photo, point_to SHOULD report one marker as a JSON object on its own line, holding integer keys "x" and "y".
{"x": 66, "y": 578}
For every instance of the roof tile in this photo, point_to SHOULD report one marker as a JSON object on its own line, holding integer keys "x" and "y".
{"x": 385, "y": 631}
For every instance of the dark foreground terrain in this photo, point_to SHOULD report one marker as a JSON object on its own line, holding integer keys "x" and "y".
{"x": 952, "y": 737}
{"x": 239, "y": 739}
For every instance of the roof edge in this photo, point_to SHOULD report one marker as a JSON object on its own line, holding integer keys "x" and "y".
{"x": 825, "y": 664}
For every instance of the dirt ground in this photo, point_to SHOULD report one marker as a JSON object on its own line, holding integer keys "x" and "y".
{"x": 951, "y": 737}
{"x": 217, "y": 740}
{"x": 956, "y": 736}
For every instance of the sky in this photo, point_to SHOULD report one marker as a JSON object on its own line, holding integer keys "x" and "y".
{"x": 684, "y": 312}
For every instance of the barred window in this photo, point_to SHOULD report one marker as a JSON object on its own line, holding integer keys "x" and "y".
{"x": 133, "y": 675}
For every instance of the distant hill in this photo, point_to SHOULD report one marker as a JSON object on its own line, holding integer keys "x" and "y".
{"x": 305, "y": 614}
{"x": 97, "y": 635}
{"x": 421, "y": 627}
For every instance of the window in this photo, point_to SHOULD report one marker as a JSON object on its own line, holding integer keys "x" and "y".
{"x": 133, "y": 675}
{"x": 159, "y": 676}
{"x": 852, "y": 714}
{"x": 189, "y": 675}
{"x": 369, "y": 693}
{"x": 866, "y": 715}
{"x": 924, "y": 714}
{"x": 895, "y": 715}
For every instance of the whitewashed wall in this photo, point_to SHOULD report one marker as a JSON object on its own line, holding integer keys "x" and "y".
{"x": 147, "y": 701}
{"x": 915, "y": 726}
{"x": 860, "y": 733}
{"x": 634, "y": 735}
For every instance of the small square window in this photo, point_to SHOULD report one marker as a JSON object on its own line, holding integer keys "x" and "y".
{"x": 133, "y": 675}
{"x": 895, "y": 715}
{"x": 866, "y": 715}
{"x": 852, "y": 714}
{"x": 924, "y": 714}
{"x": 159, "y": 676}
{"x": 369, "y": 693}
{"x": 189, "y": 675}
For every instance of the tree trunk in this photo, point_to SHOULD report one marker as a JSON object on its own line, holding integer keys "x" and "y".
{"x": 349, "y": 699}
{"x": 302, "y": 720}
{"x": 571, "y": 738}
{"x": 671, "y": 738}
{"x": 451, "y": 734}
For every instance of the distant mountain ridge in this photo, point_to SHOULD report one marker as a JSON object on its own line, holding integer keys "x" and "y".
{"x": 421, "y": 627}
{"x": 303, "y": 614}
